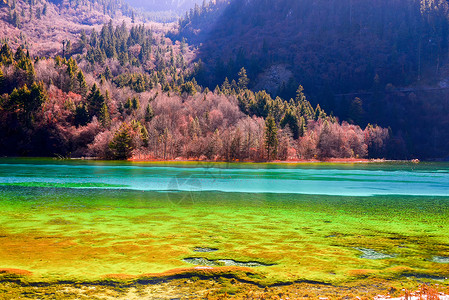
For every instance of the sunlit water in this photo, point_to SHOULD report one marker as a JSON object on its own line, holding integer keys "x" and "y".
{"x": 323, "y": 222}
{"x": 338, "y": 180}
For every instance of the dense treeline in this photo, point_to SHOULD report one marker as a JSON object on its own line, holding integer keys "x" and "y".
{"x": 67, "y": 107}
{"x": 135, "y": 57}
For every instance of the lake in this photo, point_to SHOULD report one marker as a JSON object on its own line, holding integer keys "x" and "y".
{"x": 333, "y": 223}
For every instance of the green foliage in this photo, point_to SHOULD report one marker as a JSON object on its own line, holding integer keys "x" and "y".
{"x": 149, "y": 114}
{"x": 2, "y": 81}
{"x": 27, "y": 101}
{"x": 6, "y": 55}
{"x": 71, "y": 71}
{"x": 122, "y": 145}
{"x": 271, "y": 139}
{"x": 135, "y": 103}
{"x": 137, "y": 81}
{"x": 290, "y": 119}
{"x": 82, "y": 85}
{"x": 107, "y": 73}
{"x": 399, "y": 41}
{"x": 95, "y": 101}
{"x": 104, "y": 117}
{"x": 188, "y": 88}
{"x": 81, "y": 115}
{"x": 243, "y": 79}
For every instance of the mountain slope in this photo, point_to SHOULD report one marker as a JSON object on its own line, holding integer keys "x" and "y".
{"x": 165, "y": 5}
{"x": 339, "y": 44}
{"x": 339, "y": 51}
{"x": 41, "y": 26}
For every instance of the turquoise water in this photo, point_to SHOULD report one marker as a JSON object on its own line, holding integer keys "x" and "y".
{"x": 321, "y": 222}
{"x": 431, "y": 179}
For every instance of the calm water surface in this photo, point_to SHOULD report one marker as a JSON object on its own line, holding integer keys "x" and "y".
{"x": 425, "y": 179}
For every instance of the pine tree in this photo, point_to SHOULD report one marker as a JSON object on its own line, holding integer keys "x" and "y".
{"x": 121, "y": 145}
{"x": 82, "y": 85}
{"x": 71, "y": 68}
{"x": 135, "y": 103}
{"x": 226, "y": 86}
{"x": 81, "y": 115}
{"x": 290, "y": 119}
{"x": 105, "y": 118}
{"x": 271, "y": 139}
{"x": 2, "y": 82}
{"x": 149, "y": 114}
{"x": 95, "y": 101}
{"x": 107, "y": 73}
{"x": 243, "y": 79}
{"x": 15, "y": 21}
{"x": 302, "y": 127}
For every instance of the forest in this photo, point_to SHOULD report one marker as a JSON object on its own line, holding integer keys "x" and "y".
{"x": 354, "y": 58}
{"x": 132, "y": 94}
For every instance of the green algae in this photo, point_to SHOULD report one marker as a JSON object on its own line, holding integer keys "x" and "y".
{"x": 86, "y": 230}
{"x": 64, "y": 185}
{"x": 66, "y": 233}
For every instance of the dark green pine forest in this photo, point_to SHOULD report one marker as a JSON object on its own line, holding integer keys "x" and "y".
{"x": 230, "y": 80}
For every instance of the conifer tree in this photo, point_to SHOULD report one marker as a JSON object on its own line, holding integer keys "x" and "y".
{"x": 135, "y": 103}
{"x": 2, "y": 81}
{"x": 149, "y": 114}
{"x": 243, "y": 79}
{"x": 82, "y": 85}
{"x": 290, "y": 119}
{"x": 95, "y": 101}
{"x": 107, "y": 73}
{"x": 121, "y": 145}
{"x": 271, "y": 139}
{"x": 105, "y": 118}
{"x": 81, "y": 115}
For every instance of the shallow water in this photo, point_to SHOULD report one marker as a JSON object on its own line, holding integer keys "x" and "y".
{"x": 327, "y": 179}
{"x": 324, "y": 222}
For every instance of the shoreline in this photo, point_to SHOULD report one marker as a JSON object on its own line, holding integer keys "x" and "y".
{"x": 211, "y": 283}
{"x": 272, "y": 162}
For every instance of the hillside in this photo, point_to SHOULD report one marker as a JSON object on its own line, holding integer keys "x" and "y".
{"x": 370, "y": 50}
{"x": 124, "y": 90}
{"x": 178, "y": 6}
{"x": 41, "y": 26}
